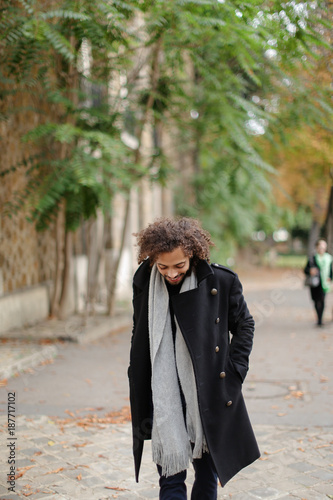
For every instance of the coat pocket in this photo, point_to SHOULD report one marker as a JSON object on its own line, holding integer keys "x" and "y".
{"x": 233, "y": 384}
{"x": 232, "y": 370}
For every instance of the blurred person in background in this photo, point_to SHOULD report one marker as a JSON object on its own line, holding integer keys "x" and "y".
{"x": 186, "y": 372}
{"x": 320, "y": 265}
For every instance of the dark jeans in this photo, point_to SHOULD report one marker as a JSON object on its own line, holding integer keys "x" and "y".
{"x": 320, "y": 306}
{"x": 318, "y": 297}
{"x": 204, "y": 487}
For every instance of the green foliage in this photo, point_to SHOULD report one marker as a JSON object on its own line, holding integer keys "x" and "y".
{"x": 247, "y": 64}
{"x": 226, "y": 73}
{"x": 83, "y": 160}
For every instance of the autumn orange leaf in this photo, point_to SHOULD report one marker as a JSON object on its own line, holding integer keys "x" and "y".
{"x": 273, "y": 452}
{"x": 82, "y": 444}
{"x": 54, "y": 471}
{"x": 70, "y": 413}
{"x": 25, "y": 468}
{"x": 114, "y": 417}
{"x": 115, "y": 488}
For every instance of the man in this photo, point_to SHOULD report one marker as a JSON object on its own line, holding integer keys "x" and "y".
{"x": 320, "y": 266}
{"x": 186, "y": 370}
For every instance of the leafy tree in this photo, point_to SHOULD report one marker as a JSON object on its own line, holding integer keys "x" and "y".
{"x": 208, "y": 73}
{"x": 229, "y": 68}
{"x": 63, "y": 58}
{"x": 302, "y": 149}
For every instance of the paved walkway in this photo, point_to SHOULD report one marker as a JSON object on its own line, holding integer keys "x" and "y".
{"x": 26, "y": 348}
{"x": 72, "y": 461}
{"x": 289, "y": 394}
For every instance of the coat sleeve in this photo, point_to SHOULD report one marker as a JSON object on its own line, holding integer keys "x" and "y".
{"x": 241, "y": 326}
{"x": 309, "y": 264}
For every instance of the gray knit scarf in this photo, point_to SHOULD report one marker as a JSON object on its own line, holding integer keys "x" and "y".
{"x": 171, "y": 435}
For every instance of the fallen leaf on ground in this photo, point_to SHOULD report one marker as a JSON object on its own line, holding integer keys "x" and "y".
{"x": 53, "y": 471}
{"x": 3, "y": 382}
{"x": 273, "y": 452}
{"x": 17, "y": 476}
{"x": 79, "y": 477}
{"x": 47, "y": 362}
{"x": 70, "y": 413}
{"x": 50, "y": 443}
{"x": 25, "y": 468}
{"x": 115, "y": 488}
{"x": 295, "y": 395}
{"x": 82, "y": 445}
{"x": 93, "y": 409}
{"x": 115, "y": 417}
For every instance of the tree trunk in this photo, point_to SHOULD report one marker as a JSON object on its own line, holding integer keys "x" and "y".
{"x": 150, "y": 102}
{"x": 64, "y": 305}
{"x": 95, "y": 251}
{"x": 329, "y": 224}
{"x": 72, "y": 83}
{"x": 58, "y": 258}
{"x": 313, "y": 237}
{"x": 115, "y": 266}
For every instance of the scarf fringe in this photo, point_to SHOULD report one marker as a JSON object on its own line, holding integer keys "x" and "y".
{"x": 171, "y": 464}
{"x": 198, "y": 447}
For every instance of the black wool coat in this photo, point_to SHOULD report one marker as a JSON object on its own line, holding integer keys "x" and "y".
{"x": 218, "y": 331}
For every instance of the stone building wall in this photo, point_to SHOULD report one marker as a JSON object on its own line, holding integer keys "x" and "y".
{"x": 27, "y": 258}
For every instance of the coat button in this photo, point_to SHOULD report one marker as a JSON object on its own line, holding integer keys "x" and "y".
{"x": 222, "y": 374}
{"x": 213, "y": 291}
{"x": 217, "y": 320}
{"x": 217, "y": 348}
{"x": 229, "y": 403}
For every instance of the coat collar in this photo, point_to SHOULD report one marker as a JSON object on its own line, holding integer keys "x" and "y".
{"x": 142, "y": 275}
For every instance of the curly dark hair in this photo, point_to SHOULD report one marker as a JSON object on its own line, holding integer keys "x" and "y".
{"x": 166, "y": 234}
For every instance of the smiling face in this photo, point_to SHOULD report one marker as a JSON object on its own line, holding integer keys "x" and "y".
{"x": 173, "y": 265}
{"x": 321, "y": 247}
